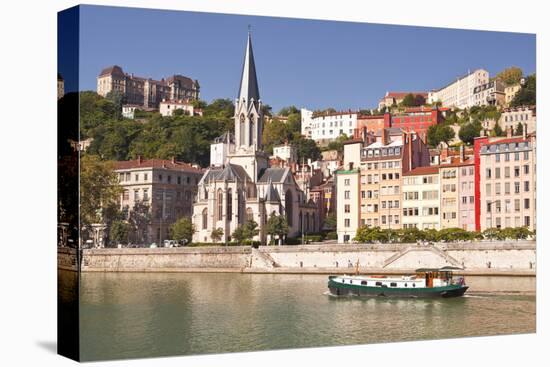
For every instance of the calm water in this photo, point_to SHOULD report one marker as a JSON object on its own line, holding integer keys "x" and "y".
{"x": 146, "y": 315}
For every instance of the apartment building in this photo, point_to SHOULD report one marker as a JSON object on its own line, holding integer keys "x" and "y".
{"x": 377, "y": 167}
{"x": 460, "y": 93}
{"x": 166, "y": 187}
{"x": 490, "y": 94}
{"x": 525, "y": 115}
{"x": 326, "y": 127}
{"x": 510, "y": 92}
{"x": 421, "y": 201}
{"x": 306, "y": 121}
{"x": 506, "y": 182}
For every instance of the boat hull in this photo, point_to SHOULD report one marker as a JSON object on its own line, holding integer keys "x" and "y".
{"x": 339, "y": 289}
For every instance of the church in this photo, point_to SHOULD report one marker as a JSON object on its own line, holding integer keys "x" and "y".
{"x": 239, "y": 185}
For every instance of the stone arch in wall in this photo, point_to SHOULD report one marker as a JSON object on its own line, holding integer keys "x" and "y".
{"x": 204, "y": 218}
{"x": 219, "y": 205}
{"x": 229, "y": 213}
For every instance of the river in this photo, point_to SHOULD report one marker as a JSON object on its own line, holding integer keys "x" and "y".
{"x": 135, "y": 315}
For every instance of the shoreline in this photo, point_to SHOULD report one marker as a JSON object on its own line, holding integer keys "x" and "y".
{"x": 303, "y": 271}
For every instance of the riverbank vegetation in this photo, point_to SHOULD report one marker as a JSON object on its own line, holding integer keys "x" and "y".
{"x": 411, "y": 235}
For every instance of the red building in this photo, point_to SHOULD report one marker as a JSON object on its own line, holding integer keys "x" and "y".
{"x": 417, "y": 119}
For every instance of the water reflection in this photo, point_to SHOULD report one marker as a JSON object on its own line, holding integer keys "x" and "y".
{"x": 143, "y": 315}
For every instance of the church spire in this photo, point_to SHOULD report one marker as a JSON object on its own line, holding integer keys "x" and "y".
{"x": 249, "y": 83}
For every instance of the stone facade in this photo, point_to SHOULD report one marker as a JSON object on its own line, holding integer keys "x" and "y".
{"x": 244, "y": 188}
{"x": 146, "y": 92}
{"x": 460, "y": 93}
{"x": 166, "y": 187}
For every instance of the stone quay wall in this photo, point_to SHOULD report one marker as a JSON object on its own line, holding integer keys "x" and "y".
{"x": 476, "y": 258}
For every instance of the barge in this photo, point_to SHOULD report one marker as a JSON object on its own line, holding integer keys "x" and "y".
{"x": 425, "y": 283}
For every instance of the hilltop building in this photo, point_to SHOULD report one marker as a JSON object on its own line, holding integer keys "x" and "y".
{"x": 460, "y": 93}
{"x": 146, "y": 92}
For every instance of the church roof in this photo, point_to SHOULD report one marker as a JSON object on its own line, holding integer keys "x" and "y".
{"x": 271, "y": 194}
{"x": 249, "y": 83}
{"x": 273, "y": 175}
{"x": 230, "y": 172}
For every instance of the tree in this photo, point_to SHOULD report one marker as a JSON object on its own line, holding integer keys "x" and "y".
{"x": 497, "y": 130}
{"x": 276, "y": 226}
{"x": 216, "y": 234}
{"x": 118, "y": 232}
{"x": 440, "y": 133}
{"x": 330, "y": 221}
{"x": 118, "y": 99}
{"x": 510, "y": 76}
{"x": 99, "y": 191}
{"x": 527, "y": 95}
{"x": 139, "y": 219}
{"x": 519, "y": 129}
{"x": 469, "y": 131}
{"x": 245, "y": 232}
{"x": 411, "y": 100}
{"x": 338, "y": 143}
{"x": 287, "y": 111}
{"x": 183, "y": 230}
{"x": 306, "y": 149}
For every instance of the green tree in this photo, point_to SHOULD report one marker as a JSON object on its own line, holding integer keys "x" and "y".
{"x": 510, "y": 76}
{"x": 527, "y": 95}
{"x": 183, "y": 230}
{"x": 246, "y": 232}
{"x": 139, "y": 219}
{"x": 306, "y": 149}
{"x": 99, "y": 190}
{"x": 276, "y": 226}
{"x": 216, "y": 234}
{"x": 519, "y": 129}
{"x": 411, "y": 100}
{"x": 338, "y": 143}
{"x": 330, "y": 221}
{"x": 440, "y": 133}
{"x": 287, "y": 111}
{"x": 118, "y": 232}
{"x": 497, "y": 130}
{"x": 117, "y": 98}
{"x": 469, "y": 131}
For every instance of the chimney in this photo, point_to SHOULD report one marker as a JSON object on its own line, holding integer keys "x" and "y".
{"x": 509, "y": 132}
{"x": 461, "y": 153}
{"x": 139, "y": 159}
{"x": 384, "y": 137}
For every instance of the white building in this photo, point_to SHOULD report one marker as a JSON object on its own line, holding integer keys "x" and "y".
{"x": 285, "y": 152}
{"x": 220, "y": 149}
{"x": 421, "y": 198}
{"x": 327, "y": 127}
{"x": 526, "y": 115}
{"x": 460, "y": 93}
{"x": 167, "y": 108}
{"x": 307, "y": 119}
{"x": 129, "y": 110}
{"x": 490, "y": 94}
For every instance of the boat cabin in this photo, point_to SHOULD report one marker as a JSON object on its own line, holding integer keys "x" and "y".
{"x": 437, "y": 277}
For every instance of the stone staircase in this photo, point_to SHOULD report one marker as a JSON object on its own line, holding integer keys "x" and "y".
{"x": 260, "y": 259}
{"x": 432, "y": 249}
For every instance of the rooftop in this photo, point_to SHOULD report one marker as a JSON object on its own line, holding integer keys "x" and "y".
{"x": 420, "y": 171}
{"x": 157, "y": 163}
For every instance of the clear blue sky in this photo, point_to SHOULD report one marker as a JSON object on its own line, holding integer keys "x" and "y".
{"x": 307, "y": 63}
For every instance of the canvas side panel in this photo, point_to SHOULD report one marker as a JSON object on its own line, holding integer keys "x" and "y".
{"x": 68, "y": 330}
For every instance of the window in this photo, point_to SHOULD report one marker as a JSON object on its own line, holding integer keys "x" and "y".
{"x": 516, "y": 205}
{"x": 497, "y": 157}
{"x": 145, "y": 176}
{"x": 497, "y": 172}
{"x": 526, "y": 169}
{"x": 526, "y": 203}
{"x": 220, "y": 204}
{"x": 204, "y": 218}
{"x": 126, "y": 195}
{"x": 346, "y": 194}
{"x": 347, "y": 208}
{"x": 507, "y": 157}
{"x": 507, "y": 188}
{"x": 346, "y": 182}
{"x": 145, "y": 194}
{"x": 497, "y": 188}
{"x": 516, "y": 171}
{"x": 527, "y": 221}
{"x": 488, "y": 173}
{"x": 179, "y": 180}
{"x": 346, "y": 222}
{"x": 488, "y": 189}
{"x": 393, "y": 284}
{"x": 506, "y": 172}
{"x": 160, "y": 178}
{"x": 526, "y": 155}
{"x": 128, "y": 176}
{"x": 516, "y": 156}
{"x": 526, "y": 186}
{"x": 136, "y": 195}
{"x": 136, "y": 177}
{"x": 229, "y": 204}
